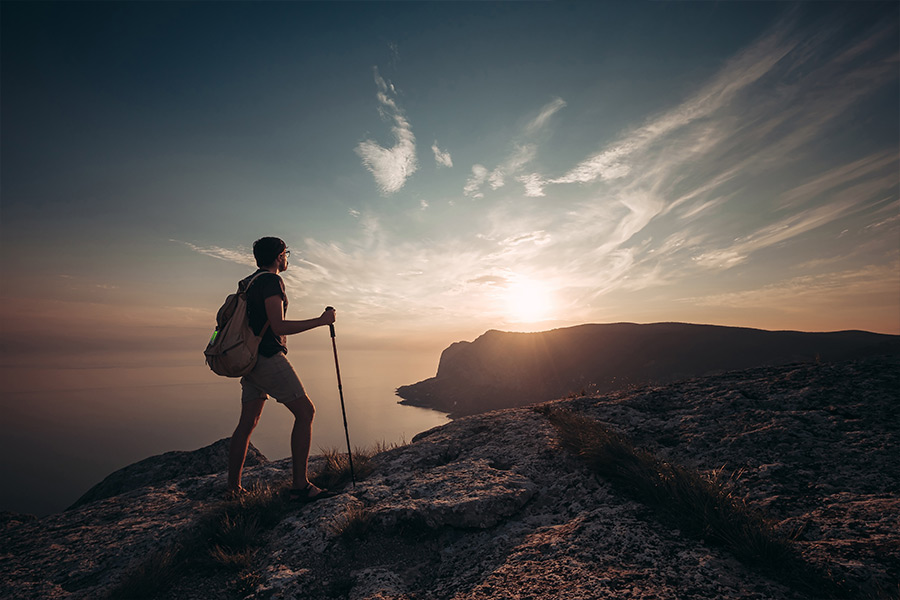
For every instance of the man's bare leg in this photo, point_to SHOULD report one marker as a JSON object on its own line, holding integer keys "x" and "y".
{"x": 240, "y": 441}
{"x": 301, "y": 439}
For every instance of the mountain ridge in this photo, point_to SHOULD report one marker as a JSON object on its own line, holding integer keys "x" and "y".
{"x": 506, "y": 369}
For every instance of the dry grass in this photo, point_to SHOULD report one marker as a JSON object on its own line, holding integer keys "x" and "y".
{"x": 232, "y": 533}
{"x": 352, "y": 524}
{"x": 702, "y": 506}
{"x": 151, "y": 577}
{"x": 335, "y": 474}
{"x": 228, "y": 536}
{"x": 232, "y": 560}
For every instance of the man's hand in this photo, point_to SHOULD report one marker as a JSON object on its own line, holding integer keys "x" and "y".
{"x": 274, "y": 310}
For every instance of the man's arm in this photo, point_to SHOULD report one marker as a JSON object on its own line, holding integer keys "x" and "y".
{"x": 279, "y": 326}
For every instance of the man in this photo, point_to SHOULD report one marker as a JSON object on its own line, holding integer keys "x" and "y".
{"x": 273, "y": 375}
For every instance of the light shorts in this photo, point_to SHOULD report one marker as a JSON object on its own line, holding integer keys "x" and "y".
{"x": 272, "y": 376}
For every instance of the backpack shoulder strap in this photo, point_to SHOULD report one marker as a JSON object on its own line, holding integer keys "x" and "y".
{"x": 262, "y": 332}
{"x": 253, "y": 278}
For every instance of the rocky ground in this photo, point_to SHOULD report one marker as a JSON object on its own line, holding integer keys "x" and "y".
{"x": 817, "y": 448}
{"x": 491, "y": 507}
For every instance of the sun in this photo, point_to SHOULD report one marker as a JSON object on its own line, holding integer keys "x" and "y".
{"x": 528, "y": 301}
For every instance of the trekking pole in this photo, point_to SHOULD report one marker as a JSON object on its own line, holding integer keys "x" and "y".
{"x": 337, "y": 368}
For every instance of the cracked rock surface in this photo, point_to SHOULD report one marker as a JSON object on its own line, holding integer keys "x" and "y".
{"x": 816, "y": 447}
{"x": 490, "y": 507}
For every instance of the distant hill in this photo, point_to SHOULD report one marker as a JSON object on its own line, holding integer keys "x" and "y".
{"x": 503, "y": 370}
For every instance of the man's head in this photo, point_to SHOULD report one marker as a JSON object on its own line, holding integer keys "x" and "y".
{"x": 267, "y": 250}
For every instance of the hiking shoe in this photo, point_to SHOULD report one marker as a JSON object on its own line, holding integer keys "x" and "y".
{"x": 308, "y": 494}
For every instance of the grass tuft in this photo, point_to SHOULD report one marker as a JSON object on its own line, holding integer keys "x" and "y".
{"x": 352, "y": 524}
{"x": 151, "y": 577}
{"x": 232, "y": 560}
{"x": 703, "y": 506}
{"x": 335, "y": 474}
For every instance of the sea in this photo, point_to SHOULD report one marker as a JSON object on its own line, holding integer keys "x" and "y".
{"x": 68, "y": 427}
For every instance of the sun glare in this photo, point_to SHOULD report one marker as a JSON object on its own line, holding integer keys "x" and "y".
{"x": 528, "y": 302}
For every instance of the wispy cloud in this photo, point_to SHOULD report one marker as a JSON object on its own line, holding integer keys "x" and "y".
{"x": 711, "y": 149}
{"x": 882, "y": 164}
{"x": 546, "y": 112}
{"x": 826, "y": 198}
{"x": 493, "y": 280}
{"x": 609, "y": 164}
{"x": 239, "y": 256}
{"x": 776, "y": 233}
{"x": 534, "y": 185}
{"x": 702, "y": 187}
{"x": 523, "y": 153}
{"x": 520, "y": 156}
{"x": 892, "y": 211}
{"x": 533, "y": 237}
{"x": 839, "y": 290}
{"x": 475, "y": 181}
{"x": 392, "y": 166}
{"x": 441, "y": 157}
{"x": 749, "y": 67}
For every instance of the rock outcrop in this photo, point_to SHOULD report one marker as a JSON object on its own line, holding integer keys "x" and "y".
{"x": 164, "y": 468}
{"x": 490, "y": 506}
{"x": 504, "y": 369}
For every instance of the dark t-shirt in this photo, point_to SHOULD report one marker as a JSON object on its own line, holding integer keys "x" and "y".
{"x": 266, "y": 285}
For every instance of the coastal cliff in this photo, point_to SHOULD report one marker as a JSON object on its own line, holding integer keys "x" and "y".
{"x": 494, "y": 506}
{"x": 505, "y": 369}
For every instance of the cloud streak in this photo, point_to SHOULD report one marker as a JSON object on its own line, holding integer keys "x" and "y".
{"x": 547, "y": 111}
{"x": 441, "y": 157}
{"x": 520, "y": 156}
{"x": 392, "y": 166}
{"x": 829, "y": 291}
{"x": 707, "y": 149}
{"x": 241, "y": 257}
{"x": 523, "y": 153}
{"x": 475, "y": 181}
{"x": 740, "y": 73}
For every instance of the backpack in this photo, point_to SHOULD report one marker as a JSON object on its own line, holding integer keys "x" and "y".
{"x": 233, "y": 347}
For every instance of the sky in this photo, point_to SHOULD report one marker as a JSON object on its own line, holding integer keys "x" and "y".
{"x": 439, "y": 169}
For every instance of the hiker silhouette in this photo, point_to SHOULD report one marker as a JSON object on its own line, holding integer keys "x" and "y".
{"x": 273, "y": 374}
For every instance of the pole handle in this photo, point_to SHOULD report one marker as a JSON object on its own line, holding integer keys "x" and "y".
{"x": 330, "y": 325}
